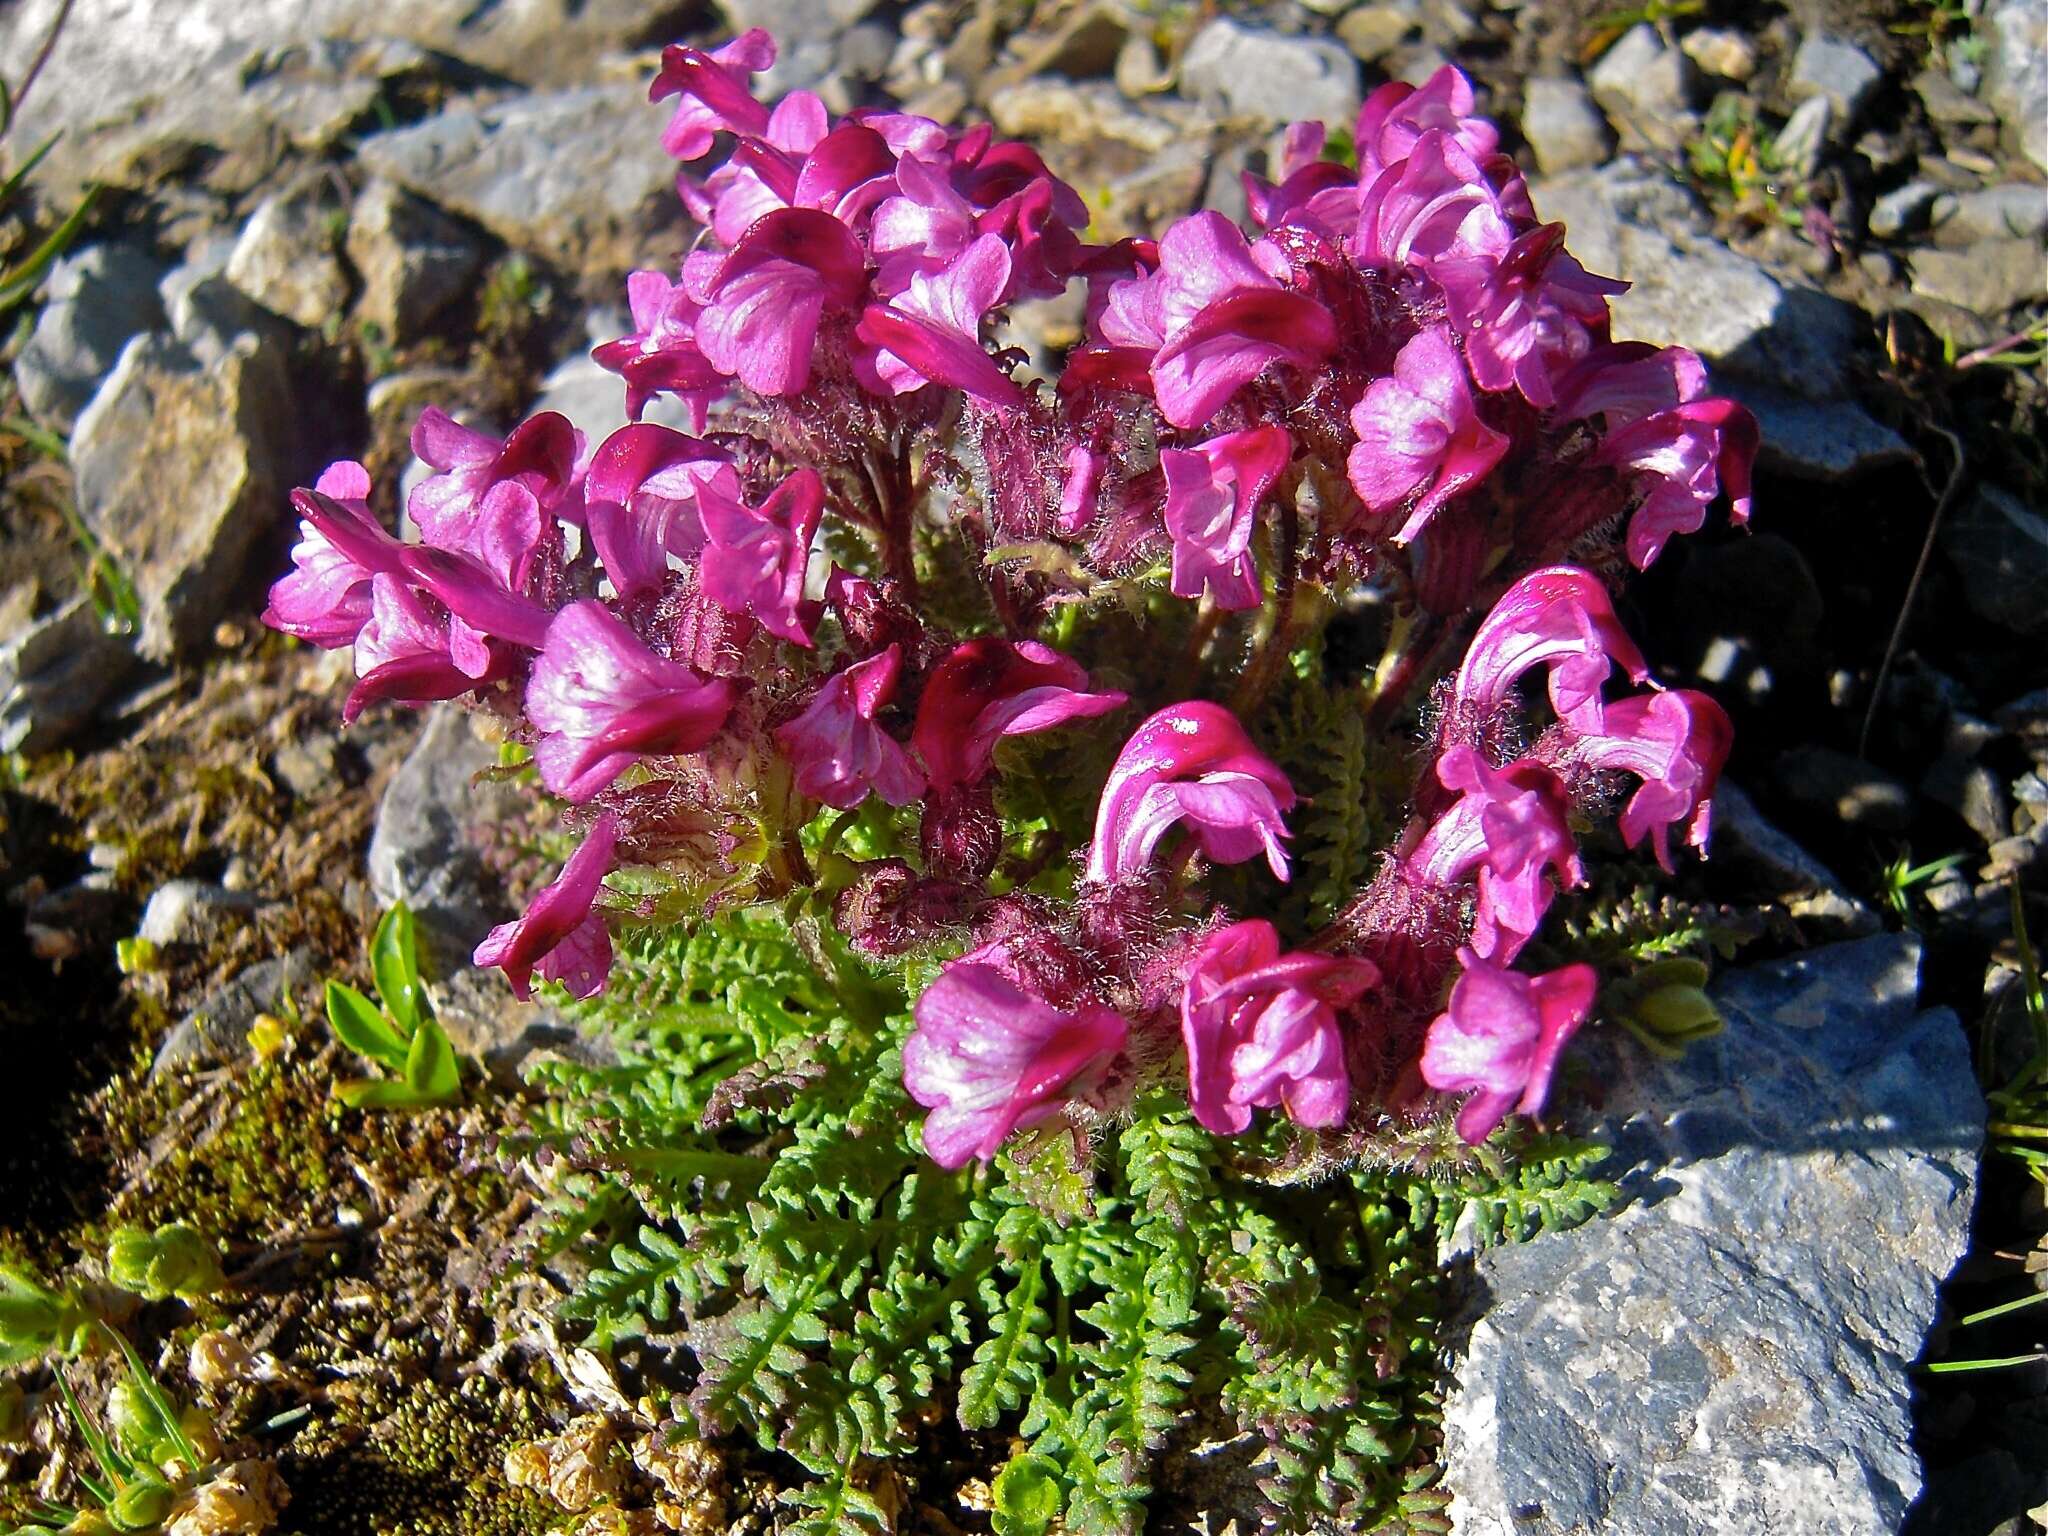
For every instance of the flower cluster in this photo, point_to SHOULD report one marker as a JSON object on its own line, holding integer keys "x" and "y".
{"x": 714, "y": 643}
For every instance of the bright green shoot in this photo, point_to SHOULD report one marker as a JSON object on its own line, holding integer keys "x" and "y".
{"x": 400, "y": 1035}
{"x": 2018, "y": 1126}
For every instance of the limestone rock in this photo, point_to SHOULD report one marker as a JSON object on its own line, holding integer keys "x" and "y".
{"x": 1563, "y": 126}
{"x": 412, "y": 258}
{"x": 181, "y": 468}
{"x": 1257, "y": 73}
{"x": 53, "y": 675}
{"x": 1989, "y": 277}
{"x": 285, "y": 258}
{"x": 190, "y": 912}
{"x": 1646, "y": 90}
{"x": 97, "y": 299}
{"x": 1835, "y": 70}
{"x": 1731, "y": 1350}
{"x": 2016, "y": 74}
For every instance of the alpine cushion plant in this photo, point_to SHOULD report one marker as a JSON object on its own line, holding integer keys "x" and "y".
{"x": 1047, "y": 973}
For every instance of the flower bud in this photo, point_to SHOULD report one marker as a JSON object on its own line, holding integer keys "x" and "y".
{"x": 35, "y": 1320}
{"x": 137, "y": 1427}
{"x": 141, "y": 1505}
{"x": 1665, "y": 1005}
{"x": 219, "y": 1359}
{"x": 172, "y": 1261}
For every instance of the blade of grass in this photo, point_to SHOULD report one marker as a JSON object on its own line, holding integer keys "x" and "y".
{"x": 20, "y": 283}
{"x": 2001, "y": 1309}
{"x": 1946, "y": 1367}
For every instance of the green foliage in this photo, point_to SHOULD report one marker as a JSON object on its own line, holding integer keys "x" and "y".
{"x": 748, "y": 1183}
{"x": 174, "y": 1260}
{"x": 37, "y": 1322}
{"x": 401, "y": 1035}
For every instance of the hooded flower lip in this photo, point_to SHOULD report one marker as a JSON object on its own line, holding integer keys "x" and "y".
{"x": 1434, "y": 206}
{"x": 1213, "y": 492}
{"x": 602, "y": 700}
{"x": 841, "y": 754}
{"x": 1509, "y": 826}
{"x": 1559, "y": 617}
{"x": 560, "y": 935}
{"x": 325, "y": 599}
{"x": 989, "y": 1058}
{"x": 987, "y": 689}
{"x": 659, "y": 355}
{"x": 1527, "y": 314}
{"x": 1397, "y": 115}
{"x": 755, "y": 558}
{"x": 1683, "y": 458}
{"x": 714, "y": 91}
{"x": 540, "y": 456}
{"x": 1676, "y": 742}
{"x": 641, "y": 501}
{"x": 1261, "y": 1029}
{"x": 1190, "y": 763}
{"x": 931, "y": 332}
{"x": 1500, "y": 1036}
{"x": 769, "y": 295}
{"x": 403, "y": 652}
{"x": 477, "y": 596}
{"x": 1418, "y": 431}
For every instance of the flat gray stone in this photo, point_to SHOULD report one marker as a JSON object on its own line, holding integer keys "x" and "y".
{"x": 1804, "y": 138}
{"x": 1646, "y": 89}
{"x": 2016, "y": 72}
{"x": 2011, "y": 210}
{"x": 182, "y": 466}
{"x": 97, "y": 299}
{"x": 577, "y": 175}
{"x": 189, "y": 911}
{"x": 1562, "y": 125}
{"x": 218, "y": 1029}
{"x": 1731, "y": 1350}
{"x": 1902, "y": 209}
{"x": 54, "y": 675}
{"x": 284, "y": 259}
{"x": 1834, "y": 69}
{"x": 413, "y": 260}
{"x": 1989, "y": 277}
{"x": 1253, "y": 72}
{"x": 1820, "y": 439}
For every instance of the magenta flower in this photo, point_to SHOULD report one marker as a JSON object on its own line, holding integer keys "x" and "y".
{"x": 841, "y": 754}
{"x": 1509, "y": 825}
{"x": 1680, "y": 460}
{"x": 714, "y": 91}
{"x": 1313, "y": 193}
{"x": 561, "y": 935}
{"x": 477, "y": 595}
{"x": 1417, "y": 431}
{"x": 988, "y": 689}
{"x": 601, "y": 701}
{"x": 640, "y": 501}
{"x": 659, "y": 355}
{"x": 325, "y": 600}
{"x": 765, "y": 304}
{"x": 1218, "y": 313}
{"x": 1212, "y": 493}
{"x": 1397, "y": 115}
{"x": 540, "y": 456}
{"x": 1501, "y": 1035}
{"x": 1527, "y": 314}
{"x": 922, "y": 228}
{"x": 1261, "y": 1029}
{"x": 403, "y": 652}
{"x": 931, "y": 332}
{"x": 1559, "y": 617}
{"x": 989, "y": 1058}
{"x": 1190, "y": 763}
{"x": 1676, "y": 742}
{"x": 755, "y": 558}
{"x": 1437, "y": 205}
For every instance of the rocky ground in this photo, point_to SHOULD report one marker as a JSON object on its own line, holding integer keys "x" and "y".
{"x": 316, "y": 216}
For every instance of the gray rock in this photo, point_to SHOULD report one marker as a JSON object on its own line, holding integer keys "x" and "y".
{"x": 485, "y": 1020}
{"x": 181, "y": 468}
{"x": 1084, "y": 45}
{"x": 1973, "y": 792}
{"x": 1732, "y": 1350}
{"x": 412, "y": 259}
{"x": 594, "y": 398}
{"x": 1373, "y": 31}
{"x": 1804, "y": 138}
{"x": 1721, "y": 52}
{"x": 97, "y": 299}
{"x": 1646, "y": 90}
{"x": 579, "y": 175}
{"x": 1257, "y": 73}
{"x": 1847, "y": 787}
{"x": 1827, "y": 67}
{"x": 310, "y": 766}
{"x": 1989, "y": 277}
{"x": 285, "y": 258}
{"x": 191, "y": 912}
{"x": 218, "y": 1029}
{"x": 1819, "y": 439}
{"x": 1999, "y": 546}
{"x": 54, "y": 674}
{"x": 2013, "y": 210}
{"x": 1947, "y": 103}
{"x": 795, "y": 21}
{"x": 1779, "y": 870}
{"x": 1562, "y": 125}
{"x": 1903, "y": 209}
{"x": 425, "y": 849}
{"x": 2016, "y": 73}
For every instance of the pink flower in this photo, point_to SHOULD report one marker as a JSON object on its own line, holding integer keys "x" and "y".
{"x": 601, "y": 701}
{"x": 988, "y": 1058}
{"x": 1313, "y": 193}
{"x": 1508, "y": 824}
{"x": 840, "y": 753}
{"x": 561, "y": 935}
{"x": 403, "y": 652}
{"x": 477, "y": 595}
{"x": 1676, "y": 743}
{"x": 1213, "y": 492}
{"x": 1417, "y": 431}
{"x": 755, "y": 558}
{"x": 1680, "y": 460}
{"x": 540, "y": 457}
{"x": 641, "y": 501}
{"x": 922, "y": 228}
{"x": 714, "y": 91}
{"x": 1190, "y": 763}
{"x": 1501, "y": 1035}
{"x": 660, "y": 354}
{"x": 1526, "y": 314}
{"x": 931, "y": 332}
{"x": 1219, "y": 313}
{"x": 765, "y": 303}
{"x": 1436, "y": 205}
{"x": 987, "y": 689}
{"x": 1397, "y": 115}
{"x": 1261, "y": 1029}
{"x": 1558, "y": 617}
{"x": 326, "y": 598}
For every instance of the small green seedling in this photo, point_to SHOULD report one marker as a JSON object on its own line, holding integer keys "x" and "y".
{"x": 401, "y": 1035}
{"x": 1902, "y": 877}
